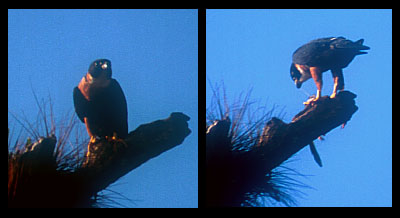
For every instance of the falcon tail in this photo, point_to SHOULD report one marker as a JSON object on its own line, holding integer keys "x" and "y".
{"x": 360, "y": 46}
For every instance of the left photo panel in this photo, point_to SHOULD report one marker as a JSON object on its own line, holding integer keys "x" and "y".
{"x": 103, "y": 108}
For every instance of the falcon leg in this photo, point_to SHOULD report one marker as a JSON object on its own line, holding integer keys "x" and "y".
{"x": 85, "y": 119}
{"x": 338, "y": 81}
{"x": 316, "y": 74}
{"x": 93, "y": 138}
{"x": 338, "y": 84}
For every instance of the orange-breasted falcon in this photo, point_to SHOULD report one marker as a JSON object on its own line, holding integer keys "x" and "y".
{"x": 320, "y": 55}
{"x": 100, "y": 102}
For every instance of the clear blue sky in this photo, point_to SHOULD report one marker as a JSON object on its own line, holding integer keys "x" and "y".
{"x": 154, "y": 56}
{"x": 253, "y": 48}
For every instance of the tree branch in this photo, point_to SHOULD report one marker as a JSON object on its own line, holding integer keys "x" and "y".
{"x": 35, "y": 180}
{"x": 110, "y": 161}
{"x": 233, "y": 173}
{"x": 280, "y": 140}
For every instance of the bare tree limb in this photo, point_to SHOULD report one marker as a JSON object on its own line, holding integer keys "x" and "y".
{"x": 280, "y": 140}
{"x": 110, "y": 161}
{"x": 231, "y": 174}
{"x": 35, "y": 180}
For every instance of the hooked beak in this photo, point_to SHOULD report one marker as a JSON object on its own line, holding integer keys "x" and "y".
{"x": 298, "y": 83}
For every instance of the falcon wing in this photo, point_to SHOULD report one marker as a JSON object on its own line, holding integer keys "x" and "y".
{"x": 119, "y": 108}
{"x": 81, "y": 104}
{"x": 314, "y": 53}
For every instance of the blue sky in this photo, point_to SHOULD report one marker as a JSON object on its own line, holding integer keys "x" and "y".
{"x": 253, "y": 49}
{"x": 154, "y": 56}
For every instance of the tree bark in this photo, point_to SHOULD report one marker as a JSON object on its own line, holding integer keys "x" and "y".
{"x": 35, "y": 180}
{"x": 233, "y": 173}
{"x": 111, "y": 161}
{"x": 281, "y": 140}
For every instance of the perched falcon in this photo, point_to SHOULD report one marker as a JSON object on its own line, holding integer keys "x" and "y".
{"x": 320, "y": 55}
{"x": 100, "y": 102}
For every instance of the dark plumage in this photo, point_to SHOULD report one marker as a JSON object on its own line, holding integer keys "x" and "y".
{"x": 100, "y": 102}
{"x": 320, "y": 55}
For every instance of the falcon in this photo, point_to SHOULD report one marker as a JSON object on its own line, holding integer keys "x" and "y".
{"x": 100, "y": 103}
{"x": 320, "y": 55}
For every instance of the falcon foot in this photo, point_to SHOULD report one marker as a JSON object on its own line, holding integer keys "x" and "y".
{"x": 116, "y": 141}
{"x": 311, "y": 100}
{"x": 94, "y": 139}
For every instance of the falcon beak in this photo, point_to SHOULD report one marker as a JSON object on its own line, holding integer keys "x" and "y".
{"x": 104, "y": 66}
{"x": 298, "y": 83}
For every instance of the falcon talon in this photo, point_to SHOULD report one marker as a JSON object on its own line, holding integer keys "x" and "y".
{"x": 310, "y": 100}
{"x": 94, "y": 139}
{"x": 114, "y": 139}
{"x": 116, "y": 143}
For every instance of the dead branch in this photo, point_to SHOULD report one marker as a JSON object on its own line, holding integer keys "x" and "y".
{"x": 280, "y": 140}
{"x": 231, "y": 174}
{"x": 110, "y": 161}
{"x": 35, "y": 180}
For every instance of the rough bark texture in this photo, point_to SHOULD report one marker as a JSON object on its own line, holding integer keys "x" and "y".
{"x": 280, "y": 140}
{"x": 35, "y": 180}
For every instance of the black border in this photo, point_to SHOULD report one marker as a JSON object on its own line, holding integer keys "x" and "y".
{"x": 201, "y": 105}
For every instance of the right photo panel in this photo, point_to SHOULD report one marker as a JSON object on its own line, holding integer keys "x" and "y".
{"x": 298, "y": 108}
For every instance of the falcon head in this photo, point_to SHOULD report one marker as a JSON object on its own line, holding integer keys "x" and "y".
{"x": 298, "y": 76}
{"x": 99, "y": 72}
